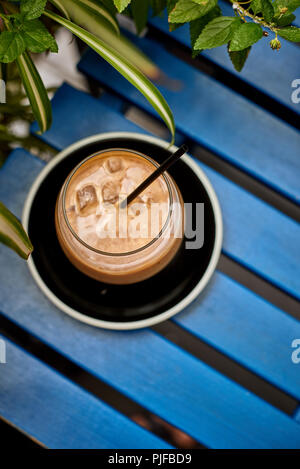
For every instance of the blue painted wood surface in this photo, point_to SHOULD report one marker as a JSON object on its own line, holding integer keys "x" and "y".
{"x": 216, "y": 117}
{"x": 88, "y": 118}
{"x": 228, "y": 316}
{"x": 256, "y": 235}
{"x": 59, "y": 414}
{"x": 269, "y": 71}
{"x": 145, "y": 366}
{"x": 247, "y": 328}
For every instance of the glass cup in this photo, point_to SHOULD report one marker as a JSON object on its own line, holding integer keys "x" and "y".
{"x": 110, "y": 244}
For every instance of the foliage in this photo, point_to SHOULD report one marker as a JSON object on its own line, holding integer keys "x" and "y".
{"x": 12, "y": 233}
{"x": 26, "y": 27}
{"x": 251, "y": 21}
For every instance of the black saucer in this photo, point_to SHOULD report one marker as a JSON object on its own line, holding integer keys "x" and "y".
{"x": 117, "y": 304}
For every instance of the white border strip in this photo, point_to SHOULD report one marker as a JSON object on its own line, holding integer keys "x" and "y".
{"x": 183, "y": 303}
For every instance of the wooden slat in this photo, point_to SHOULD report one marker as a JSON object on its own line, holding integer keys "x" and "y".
{"x": 56, "y": 412}
{"x": 248, "y": 329}
{"x": 145, "y": 366}
{"x": 256, "y": 235}
{"x": 88, "y": 118}
{"x": 244, "y": 326}
{"x": 268, "y": 71}
{"x": 218, "y": 118}
{"x": 231, "y": 318}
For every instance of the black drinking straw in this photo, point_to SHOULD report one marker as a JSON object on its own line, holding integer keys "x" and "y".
{"x": 163, "y": 167}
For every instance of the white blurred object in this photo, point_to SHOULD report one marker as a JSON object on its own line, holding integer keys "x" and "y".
{"x": 61, "y": 67}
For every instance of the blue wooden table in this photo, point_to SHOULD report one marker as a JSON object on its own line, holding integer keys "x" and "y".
{"x": 220, "y": 374}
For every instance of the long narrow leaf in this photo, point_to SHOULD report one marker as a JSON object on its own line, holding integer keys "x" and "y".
{"x": 36, "y": 91}
{"x": 123, "y": 66}
{"x": 96, "y": 8}
{"x": 60, "y": 6}
{"x": 12, "y": 233}
{"x": 82, "y": 15}
{"x": 100, "y": 10}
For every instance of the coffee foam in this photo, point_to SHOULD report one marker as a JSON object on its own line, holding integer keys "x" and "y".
{"x": 93, "y": 196}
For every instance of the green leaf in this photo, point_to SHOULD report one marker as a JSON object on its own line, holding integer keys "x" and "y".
{"x": 291, "y": 33}
{"x": 267, "y": 10}
{"x": 197, "y": 26}
{"x": 37, "y": 37}
{"x": 32, "y": 9}
{"x": 264, "y": 7}
{"x": 170, "y": 6}
{"x": 256, "y": 6}
{"x": 60, "y": 6}
{"x": 284, "y": 20}
{"x": 35, "y": 90}
{"x": 91, "y": 6}
{"x": 110, "y": 6}
{"x": 140, "y": 14}
{"x": 12, "y": 233}
{"x": 123, "y": 66}
{"x": 245, "y": 35}
{"x": 217, "y": 32}
{"x": 12, "y": 45}
{"x": 100, "y": 10}
{"x": 238, "y": 58}
{"x": 100, "y": 27}
{"x": 291, "y": 6}
{"x": 121, "y": 4}
{"x": 187, "y": 10}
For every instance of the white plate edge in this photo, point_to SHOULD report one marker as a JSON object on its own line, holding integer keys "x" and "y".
{"x": 185, "y": 301}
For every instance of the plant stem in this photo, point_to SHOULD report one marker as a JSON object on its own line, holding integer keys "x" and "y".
{"x": 5, "y": 20}
{"x": 245, "y": 13}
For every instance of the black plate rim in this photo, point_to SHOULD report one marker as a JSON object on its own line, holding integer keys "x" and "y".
{"x": 155, "y": 319}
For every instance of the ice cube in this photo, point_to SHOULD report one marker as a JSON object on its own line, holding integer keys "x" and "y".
{"x": 137, "y": 208}
{"x": 136, "y": 173}
{"x": 114, "y": 164}
{"x": 127, "y": 186}
{"x": 110, "y": 192}
{"x": 87, "y": 199}
{"x": 146, "y": 198}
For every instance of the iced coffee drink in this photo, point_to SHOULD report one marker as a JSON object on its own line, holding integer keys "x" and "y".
{"x": 114, "y": 244}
